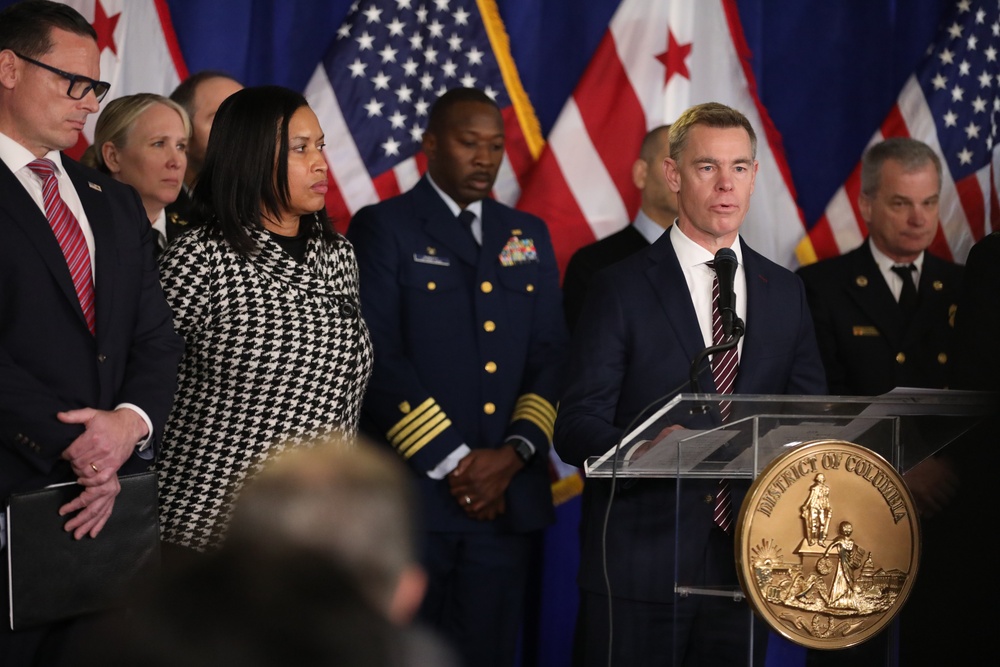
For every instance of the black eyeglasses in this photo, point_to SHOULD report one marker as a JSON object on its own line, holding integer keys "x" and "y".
{"x": 79, "y": 85}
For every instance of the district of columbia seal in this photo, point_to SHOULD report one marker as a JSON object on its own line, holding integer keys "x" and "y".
{"x": 828, "y": 544}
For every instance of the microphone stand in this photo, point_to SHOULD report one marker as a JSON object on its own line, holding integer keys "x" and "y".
{"x": 734, "y": 340}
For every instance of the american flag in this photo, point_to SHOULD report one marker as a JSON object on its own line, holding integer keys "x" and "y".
{"x": 655, "y": 60}
{"x": 952, "y": 103}
{"x": 389, "y": 61}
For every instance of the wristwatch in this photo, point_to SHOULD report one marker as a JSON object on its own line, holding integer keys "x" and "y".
{"x": 522, "y": 449}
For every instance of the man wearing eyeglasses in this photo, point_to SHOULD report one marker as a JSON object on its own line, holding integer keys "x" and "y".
{"x": 88, "y": 353}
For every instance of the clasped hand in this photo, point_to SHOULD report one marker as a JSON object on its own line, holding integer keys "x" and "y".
{"x": 108, "y": 439}
{"x": 483, "y": 477}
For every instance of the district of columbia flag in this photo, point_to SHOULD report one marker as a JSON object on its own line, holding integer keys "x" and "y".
{"x": 139, "y": 51}
{"x": 655, "y": 60}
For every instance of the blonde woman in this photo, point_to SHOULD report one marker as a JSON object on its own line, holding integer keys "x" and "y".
{"x": 142, "y": 140}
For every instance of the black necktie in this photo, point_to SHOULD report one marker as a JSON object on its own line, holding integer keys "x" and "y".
{"x": 466, "y": 218}
{"x": 908, "y": 296}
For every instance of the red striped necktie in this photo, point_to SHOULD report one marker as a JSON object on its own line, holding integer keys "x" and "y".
{"x": 69, "y": 235}
{"x": 725, "y": 366}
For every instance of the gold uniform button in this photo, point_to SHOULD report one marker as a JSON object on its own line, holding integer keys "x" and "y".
{"x": 486, "y": 286}
{"x": 489, "y": 326}
{"x": 489, "y": 408}
{"x": 901, "y": 358}
{"x": 530, "y": 287}
{"x": 942, "y": 358}
{"x": 937, "y": 285}
{"x": 709, "y": 500}
{"x": 491, "y": 367}
{"x": 432, "y": 286}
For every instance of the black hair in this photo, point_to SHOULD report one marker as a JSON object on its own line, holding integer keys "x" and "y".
{"x": 26, "y": 27}
{"x": 439, "y": 111}
{"x": 245, "y": 175}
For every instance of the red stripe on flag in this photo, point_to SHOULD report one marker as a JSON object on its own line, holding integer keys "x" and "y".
{"x": 548, "y": 196}
{"x": 973, "y": 203}
{"x": 336, "y": 206}
{"x": 515, "y": 145}
{"x": 894, "y": 124}
{"x": 421, "y": 161}
{"x": 386, "y": 185}
{"x": 822, "y": 239}
{"x": 613, "y": 116}
{"x": 163, "y": 11}
{"x": 994, "y": 202}
{"x": 852, "y": 190}
{"x": 939, "y": 246}
{"x": 771, "y": 133}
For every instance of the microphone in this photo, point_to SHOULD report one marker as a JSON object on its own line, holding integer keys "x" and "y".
{"x": 732, "y": 326}
{"x": 725, "y": 269}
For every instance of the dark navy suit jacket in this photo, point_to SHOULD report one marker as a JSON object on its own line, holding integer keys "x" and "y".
{"x": 467, "y": 350}
{"x": 49, "y": 361}
{"x": 632, "y": 346}
{"x": 588, "y": 261}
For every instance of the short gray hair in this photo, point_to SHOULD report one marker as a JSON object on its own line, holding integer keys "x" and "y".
{"x": 910, "y": 153}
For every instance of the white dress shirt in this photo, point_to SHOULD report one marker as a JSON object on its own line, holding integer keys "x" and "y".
{"x": 694, "y": 264}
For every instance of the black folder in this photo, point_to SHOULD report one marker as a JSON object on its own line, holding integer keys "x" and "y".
{"x": 54, "y": 576}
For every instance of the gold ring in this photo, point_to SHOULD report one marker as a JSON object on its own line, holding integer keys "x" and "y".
{"x": 468, "y": 500}
{"x": 95, "y": 468}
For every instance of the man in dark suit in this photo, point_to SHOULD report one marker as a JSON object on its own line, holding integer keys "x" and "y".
{"x": 200, "y": 94}
{"x": 885, "y": 311}
{"x": 644, "y": 322}
{"x": 657, "y": 211}
{"x": 885, "y": 315}
{"x": 88, "y": 359}
{"x": 461, "y": 295}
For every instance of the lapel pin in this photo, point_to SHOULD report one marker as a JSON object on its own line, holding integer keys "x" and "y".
{"x": 94, "y": 186}
{"x": 861, "y": 281}
{"x": 937, "y": 285}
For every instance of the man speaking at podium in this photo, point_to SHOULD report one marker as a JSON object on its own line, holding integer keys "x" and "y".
{"x": 647, "y": 319}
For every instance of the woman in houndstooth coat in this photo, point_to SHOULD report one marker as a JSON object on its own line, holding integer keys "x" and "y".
{"x": 265, "y": 293}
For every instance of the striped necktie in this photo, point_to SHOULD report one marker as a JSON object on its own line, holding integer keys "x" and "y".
{"x": 725, "y": 366}
{"x": 69, "y": 235}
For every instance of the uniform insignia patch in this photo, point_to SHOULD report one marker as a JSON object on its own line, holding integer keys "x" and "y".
{"x": 431, "y": 259}
{"x": 518, "y": 251}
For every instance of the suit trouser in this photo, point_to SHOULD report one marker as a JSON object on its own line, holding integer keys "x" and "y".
{"x": 476, "y": 592}
{"x": 692, "y": 631}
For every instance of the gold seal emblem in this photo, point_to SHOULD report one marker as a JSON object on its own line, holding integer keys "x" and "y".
{"x": 827, "y": 544}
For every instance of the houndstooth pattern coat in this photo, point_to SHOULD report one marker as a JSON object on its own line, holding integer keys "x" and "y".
{"x": 277, "y": 355}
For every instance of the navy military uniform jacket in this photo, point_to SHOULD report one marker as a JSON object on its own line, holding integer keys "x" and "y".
{"x": 866, "y": 348}
{"x": 469, "y": 344}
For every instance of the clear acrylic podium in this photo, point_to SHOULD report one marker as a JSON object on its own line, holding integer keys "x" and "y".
{"x": 905, "y": 427}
